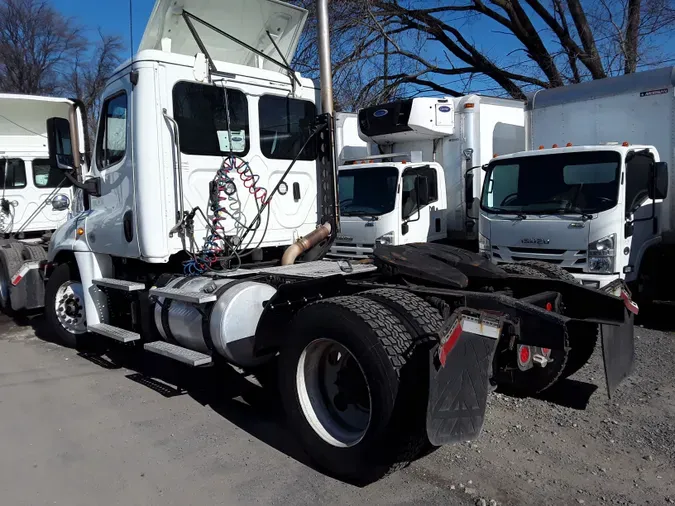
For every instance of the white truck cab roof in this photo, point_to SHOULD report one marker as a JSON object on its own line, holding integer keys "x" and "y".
{"x": 575, "y": 149}
{"x": 399, "y": 165}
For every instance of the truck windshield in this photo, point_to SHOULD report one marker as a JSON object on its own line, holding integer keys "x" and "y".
{"x": 370, "y": 191}
{"x": 565, "y": 183}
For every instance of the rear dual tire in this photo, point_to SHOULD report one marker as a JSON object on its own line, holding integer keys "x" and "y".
{"x": 366, "y": 420}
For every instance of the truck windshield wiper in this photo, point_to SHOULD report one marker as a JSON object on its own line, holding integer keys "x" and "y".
{"x": 569, "y": 210}
{"x": 499, "y": 210}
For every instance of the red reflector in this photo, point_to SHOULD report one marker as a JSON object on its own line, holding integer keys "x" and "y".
{"x": 524, "y": 354}
{"x": 450, "y": 343}
{"x": 549, "y": 306}
{"x": 547, "y": 351}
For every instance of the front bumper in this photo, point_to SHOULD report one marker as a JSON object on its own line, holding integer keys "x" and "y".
{"x": 595, "y": 280}
{"x": 352, "y": 251}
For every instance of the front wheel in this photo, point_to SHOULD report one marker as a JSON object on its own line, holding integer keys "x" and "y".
{"x": 340, "y": 377}
{"x": 64, "y": 305}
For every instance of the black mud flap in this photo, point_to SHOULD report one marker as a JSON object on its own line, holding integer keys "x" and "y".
{"x": 460, "y": 371}
{"x": 618, "y": 351}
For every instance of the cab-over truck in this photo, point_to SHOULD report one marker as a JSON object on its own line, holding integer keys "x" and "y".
{"x": 593, "y": 194}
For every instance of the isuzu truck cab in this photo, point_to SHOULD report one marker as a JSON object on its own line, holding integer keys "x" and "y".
{"x": 593, "y": 195}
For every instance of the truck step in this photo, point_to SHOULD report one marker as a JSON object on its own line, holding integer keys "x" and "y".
{"x": 183, "y": 296}
{"x": 116, "y": 333}
{"x": 189, "y": 357}
{"x": 119, "y": 284}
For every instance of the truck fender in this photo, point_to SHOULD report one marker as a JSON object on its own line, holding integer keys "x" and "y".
{"x": 93, "y": 266}
{"x": 65, "y": 238}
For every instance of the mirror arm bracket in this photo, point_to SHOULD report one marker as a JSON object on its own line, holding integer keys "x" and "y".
{"x": 92, "y": 186}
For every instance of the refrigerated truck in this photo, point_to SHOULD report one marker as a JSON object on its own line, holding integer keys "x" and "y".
{"x": 420, "y": 181}
{"x": 593, "y": 195}
{"x": 193, "y": 246}
{"x": 35, "y": 198}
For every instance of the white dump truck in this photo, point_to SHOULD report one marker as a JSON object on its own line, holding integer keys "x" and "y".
{"x": 211, "y": 202}
{"x": 418, "y": 184}
{"x": 593, "y": 195}
{"x": 35, "y": 198}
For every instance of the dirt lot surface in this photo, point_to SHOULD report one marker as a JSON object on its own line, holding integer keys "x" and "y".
{"x": 82, "y": 430}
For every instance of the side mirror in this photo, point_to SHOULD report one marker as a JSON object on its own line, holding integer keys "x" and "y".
{"x": 658, "y": 186}
{"x": 59, "y": 142}
{"x": 468, "y": 190}
{"x": 405, "y": 228}
{"x": 61, "y": 202}
{"x": 422, "y": 187}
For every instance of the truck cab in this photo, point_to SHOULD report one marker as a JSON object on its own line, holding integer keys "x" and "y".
{"x": 588, "y": 209}
{"x": 35, "y": 196}
{"x": 389, "y": 203}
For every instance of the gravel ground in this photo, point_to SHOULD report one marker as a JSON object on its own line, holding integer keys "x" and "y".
{"x": 83, "y": 430}
{"x": 552, "y": 451}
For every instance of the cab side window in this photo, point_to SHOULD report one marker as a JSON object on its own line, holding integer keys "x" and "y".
{"x": 12, "y": 173}
{"x": 111, "y": 145}
{"x": 412, "y": 201}
{"x": 638, "y": 167}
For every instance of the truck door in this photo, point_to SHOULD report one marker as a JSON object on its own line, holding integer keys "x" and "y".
{"x": 111, "y": 225}
{"x": 420, "y": 205}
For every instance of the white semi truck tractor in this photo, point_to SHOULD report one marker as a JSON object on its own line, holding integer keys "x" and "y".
{"x": 419, "y": 183}
{"x": 35, "y": 198}
{"x": 212, "y": 201}
{"x": 593, "y": 195}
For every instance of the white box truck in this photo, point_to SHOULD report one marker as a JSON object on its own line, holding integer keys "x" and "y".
{"x": 35, "y": 198}
{"x": 417, "y": 185}
{"x": 184, "y": 254}
{"x": 593, "y": 195}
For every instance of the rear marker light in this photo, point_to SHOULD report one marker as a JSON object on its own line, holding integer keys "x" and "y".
{"x": 524, "y": 354}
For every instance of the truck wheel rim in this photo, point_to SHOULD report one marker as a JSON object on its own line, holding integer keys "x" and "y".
{"x": 69, "y": 306}
{"x": 334, "y": 393}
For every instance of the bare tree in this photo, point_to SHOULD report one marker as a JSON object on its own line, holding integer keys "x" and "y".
{"x": 90, "y": 72}
{"x": 557, "y": 42}
{"x": 37, "y": 44}
{"x": 358, "y": 51}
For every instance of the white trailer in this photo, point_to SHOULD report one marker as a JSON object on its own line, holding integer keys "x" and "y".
{"x": 211, "y": 200}
{"x": 592, "y": 195}
{"x": 418, "y": 184}
{"x": 35, "y": 198}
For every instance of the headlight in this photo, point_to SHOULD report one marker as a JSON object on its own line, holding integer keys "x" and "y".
{"x": 386, "y": 239}
{"x": 484, "y": 246}
{"x": 601, "y": 255}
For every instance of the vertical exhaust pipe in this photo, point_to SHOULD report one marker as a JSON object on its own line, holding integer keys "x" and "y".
{"x": 317, "y": 243}
{"x": 324, "y": 58}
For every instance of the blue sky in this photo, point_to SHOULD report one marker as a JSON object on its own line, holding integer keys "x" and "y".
{"x": 113, "y": 18}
